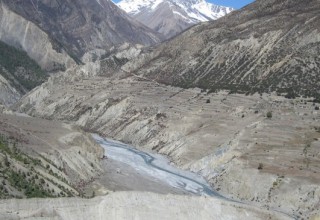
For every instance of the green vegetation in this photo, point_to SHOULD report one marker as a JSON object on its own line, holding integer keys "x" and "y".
{"x": 291, "y": 94}
{"x": 21, "y": 181}
{"x": 31, "y": 188}
{"x": 15, "y": 153}
{"x": 20, "y": 174}
{"x": 20, "y": 69}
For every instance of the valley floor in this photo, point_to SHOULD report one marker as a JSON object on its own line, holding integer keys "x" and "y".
{"x": 121, "y": 173}
{"x": 118, "y": 176}
{"x": 227, "y": 138}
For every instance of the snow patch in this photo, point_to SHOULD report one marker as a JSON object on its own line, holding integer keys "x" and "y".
{"x": 196, "y": 10}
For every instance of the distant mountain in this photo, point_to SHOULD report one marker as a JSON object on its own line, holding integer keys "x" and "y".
{"x": 51, "y": 36}
{"x": 46, "y": 29}
{"x": 171, "y": 17}
{"x": 268, "y": 46}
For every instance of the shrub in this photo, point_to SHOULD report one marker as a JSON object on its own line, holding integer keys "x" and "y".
{"x": 260, "y": 167}
{"x": 42, "y": 181}
{"x": 269, "y": 115}
{"x": 316, "y": 108}
{"x": 161, "y": 115}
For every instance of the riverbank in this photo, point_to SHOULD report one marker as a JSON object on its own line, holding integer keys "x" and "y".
{"x": 132, "y": 205}
{"x": 131, "y": 169}
{"x": 118, "y": 176}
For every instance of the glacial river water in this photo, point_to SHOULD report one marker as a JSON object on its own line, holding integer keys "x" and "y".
{"x": 157, "y": 167}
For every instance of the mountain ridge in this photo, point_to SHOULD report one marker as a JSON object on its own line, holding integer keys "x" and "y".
{"x": 268, "y": 46}
{"x": 80, "y": 26}
{"x": 171, "y": 17}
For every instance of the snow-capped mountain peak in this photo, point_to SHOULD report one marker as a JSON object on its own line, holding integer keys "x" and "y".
{"x": 161, "y": 15}
{"x": 135, "y": 6}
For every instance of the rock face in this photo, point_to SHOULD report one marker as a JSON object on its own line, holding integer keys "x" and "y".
{"x": 267, "y": 46}
{"x": 124, "y": 205}
{"x": 171, "y": 17}
{"x": 8, "y": 93}
{"x": 74, "y": 27}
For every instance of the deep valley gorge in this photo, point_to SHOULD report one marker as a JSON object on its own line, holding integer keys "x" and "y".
{"x": 102, "y": 117}
{"x": 225, "y": 137}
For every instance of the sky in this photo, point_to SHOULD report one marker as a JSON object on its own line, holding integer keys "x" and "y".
{"x": 231, "y": 3}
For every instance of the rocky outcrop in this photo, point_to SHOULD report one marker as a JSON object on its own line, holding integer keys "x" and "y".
{"x": 131, "y": 205}
{"x": 8, "y": 94}
{"x": 75, "y": 27}
{"x": 266, "y": 46}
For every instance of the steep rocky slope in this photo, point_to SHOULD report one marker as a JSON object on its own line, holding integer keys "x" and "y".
{"x": 133, "y": 205}
{"x": 171, "y": 17}
{"x": 8, "y": 93}
{"x": 19, "y": 32}
{"x": 74, "y": 27}
{"x": 40, "y": 158}
{"x": 267, "y": 46}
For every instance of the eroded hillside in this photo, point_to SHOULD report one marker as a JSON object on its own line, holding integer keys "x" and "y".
{"x": 267, "y": 46}
{"x": 80, "y": 26}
